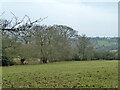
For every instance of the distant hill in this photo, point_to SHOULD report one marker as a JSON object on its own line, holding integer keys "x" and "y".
{"x": 106, "y": 43}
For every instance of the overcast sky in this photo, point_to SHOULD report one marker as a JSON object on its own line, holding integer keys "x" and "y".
{"x": 90, "y": 18}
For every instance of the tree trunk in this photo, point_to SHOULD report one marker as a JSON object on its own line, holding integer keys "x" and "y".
{"x": 44, "y": 60}
{"x": 22, "y": 61}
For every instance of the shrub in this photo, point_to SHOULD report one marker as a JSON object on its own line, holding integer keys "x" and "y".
{"x": 6, "y": 61}
{"x": 76, "y": 57}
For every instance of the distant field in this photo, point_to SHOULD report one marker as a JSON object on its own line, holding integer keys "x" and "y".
{"x": 74, "y": 74}
{"x": 106, "y": 43}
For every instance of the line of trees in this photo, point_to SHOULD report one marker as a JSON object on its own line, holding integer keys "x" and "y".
{"x": 30, "y": 41}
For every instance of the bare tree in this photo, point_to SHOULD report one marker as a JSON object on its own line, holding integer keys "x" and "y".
{"x": 85, "y": 47}
{"x": 15, "y": 31}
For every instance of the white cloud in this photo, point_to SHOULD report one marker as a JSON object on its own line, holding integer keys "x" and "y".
{"x": 91, "y": 20}
{"x": 63, "y": 1}
{"x": 41, "y": 1}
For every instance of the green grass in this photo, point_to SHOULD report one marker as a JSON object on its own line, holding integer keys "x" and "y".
{"x": 74, "y": 74}
{"x": 106, "y": 43}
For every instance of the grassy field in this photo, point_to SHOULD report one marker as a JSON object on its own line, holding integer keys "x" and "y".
{"x": 106, "y": 43}
{"x": 74, "y": 74}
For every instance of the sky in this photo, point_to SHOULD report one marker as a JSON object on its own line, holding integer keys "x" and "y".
{"x": 91, "y": 18}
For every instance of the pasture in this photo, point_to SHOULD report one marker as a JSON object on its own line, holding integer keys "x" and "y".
{"x": 72, "y": 74}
